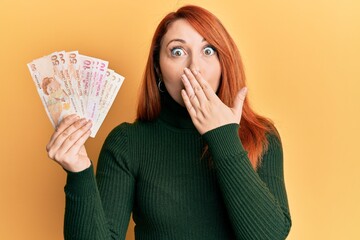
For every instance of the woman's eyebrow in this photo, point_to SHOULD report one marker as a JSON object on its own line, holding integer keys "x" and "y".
{"x": 181, "y": 40}
{"x": 176, "y": 40}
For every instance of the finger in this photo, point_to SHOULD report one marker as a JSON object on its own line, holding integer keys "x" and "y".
{"x": 188, "y": 103}
{"x": 190, "y": 91}
{"x": 207, "y": 90}
{"x": 65, "y": 123}
{"x": 80, "y": 142}
{"x": 198, "y": 91}
{"x": 239, "y": 100}
{"x": 62, "y": 137}
{"x": 77, "y": 139}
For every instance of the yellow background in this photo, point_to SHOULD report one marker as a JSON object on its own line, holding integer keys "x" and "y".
{"x": 303, "y": 70}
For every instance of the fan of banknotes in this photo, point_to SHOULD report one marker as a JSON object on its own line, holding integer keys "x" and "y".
{"x": 71, "y": 83}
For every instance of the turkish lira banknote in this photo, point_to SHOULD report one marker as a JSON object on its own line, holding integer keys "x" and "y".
{"x": 71, "y": 83}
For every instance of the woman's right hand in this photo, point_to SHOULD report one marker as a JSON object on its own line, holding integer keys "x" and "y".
{"x": 66, "y": 145}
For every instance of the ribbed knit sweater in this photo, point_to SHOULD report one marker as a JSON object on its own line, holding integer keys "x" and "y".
{"x": 155, "y": 170}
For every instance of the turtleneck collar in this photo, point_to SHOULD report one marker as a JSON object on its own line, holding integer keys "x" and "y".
{"x": 172, "y": 113}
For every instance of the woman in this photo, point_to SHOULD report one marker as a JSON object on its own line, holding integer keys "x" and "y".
{"x": 197, "y": 163}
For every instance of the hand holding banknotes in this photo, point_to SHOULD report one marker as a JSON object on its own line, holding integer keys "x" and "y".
{"x": 66, "y": 145}
{"x": 77, "y": 92}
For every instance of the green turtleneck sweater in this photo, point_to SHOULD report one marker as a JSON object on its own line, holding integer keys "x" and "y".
{"x": 155, "y": 171}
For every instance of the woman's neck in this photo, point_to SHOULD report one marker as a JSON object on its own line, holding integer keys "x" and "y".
{"x": 174, "y": 114}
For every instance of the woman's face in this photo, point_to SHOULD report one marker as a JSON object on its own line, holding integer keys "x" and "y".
{"x": 53, "y": 86}
{"x": 183, "y": 47}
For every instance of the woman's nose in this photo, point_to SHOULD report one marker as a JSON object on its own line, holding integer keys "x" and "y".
{"x": 195, "y": 64}
{"x": 194, "y": 67}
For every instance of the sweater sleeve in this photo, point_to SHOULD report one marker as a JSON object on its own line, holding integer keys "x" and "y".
{"x": 100, "y": 207}
{"x": 256, "y": 201}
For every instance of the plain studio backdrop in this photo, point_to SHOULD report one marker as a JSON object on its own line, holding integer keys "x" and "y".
{"x": 302, "y": 64}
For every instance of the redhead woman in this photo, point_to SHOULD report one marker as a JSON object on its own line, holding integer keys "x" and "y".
{"x": 198, "y": 163}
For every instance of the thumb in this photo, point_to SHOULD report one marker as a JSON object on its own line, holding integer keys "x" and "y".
{"x": 239, "y": 101}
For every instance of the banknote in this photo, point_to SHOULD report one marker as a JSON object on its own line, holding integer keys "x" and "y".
{"x": 72, "y": 83}
{"x": 51, "y": 88}
{"x": 112, "y": 86}
{"x": 75, "y": 78}
{"x": 62, "y": 68}
{"x": 94, "y": 83}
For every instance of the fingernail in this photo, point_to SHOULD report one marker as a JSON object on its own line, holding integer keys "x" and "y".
{"x": 244, "y": 90}
{"x": 195, "y": 71}
{"x": 82, "y": 121}
{"x": 187, "y": 70}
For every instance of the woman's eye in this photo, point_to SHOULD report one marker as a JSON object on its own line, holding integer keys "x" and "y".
{"x": 209, "y": 51}
{"x": 177, "y": 52}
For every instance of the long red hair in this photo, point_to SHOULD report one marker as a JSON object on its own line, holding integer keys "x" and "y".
{"x": 253, "y": 126}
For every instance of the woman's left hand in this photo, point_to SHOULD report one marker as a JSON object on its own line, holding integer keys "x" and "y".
{"x": 206, "y": 109}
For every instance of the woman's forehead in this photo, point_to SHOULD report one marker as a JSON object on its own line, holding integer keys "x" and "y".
{"x": 182, "y": 30}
